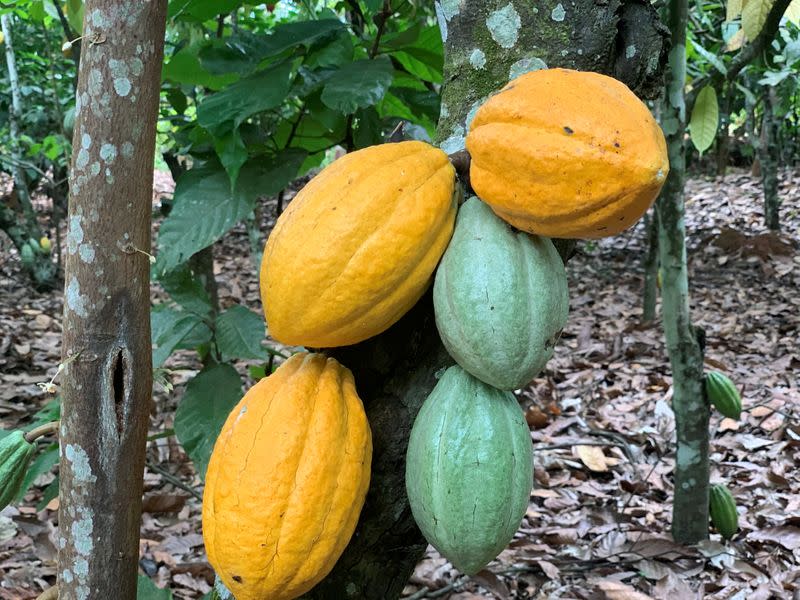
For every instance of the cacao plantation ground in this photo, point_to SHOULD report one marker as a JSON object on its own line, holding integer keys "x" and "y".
{"x": 598, "y": 522}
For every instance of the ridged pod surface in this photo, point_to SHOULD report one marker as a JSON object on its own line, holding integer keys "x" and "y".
{"x": 469, "y": 469}
{"x": 500, "y": 298}
{"x": 723, "y": 395}
{"x": 722, "y": 509}
{"x": 16, "y": 454}
{"x": 287, "y": 480}
{"x": 357, "y": 246}
{"x": 567, "y": 154}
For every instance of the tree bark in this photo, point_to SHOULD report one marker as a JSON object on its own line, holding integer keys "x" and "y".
{"x": 397, "y": 370}
{"x": 769, "y": 153}
{"x": 650, "y": 268}
{"x": 107, "y": 380}
{"x": 690, "y": 503}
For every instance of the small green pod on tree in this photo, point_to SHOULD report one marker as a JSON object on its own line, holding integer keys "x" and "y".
{"x": 723, "y": 395}
{"x": 16, "y": 453}
{"x": 722, "y": 509}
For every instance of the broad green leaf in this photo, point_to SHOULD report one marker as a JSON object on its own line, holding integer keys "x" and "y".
{"x": 186, "y": 288}
{"x": 290, "y": 35}
{"x": 773, "y": 78}
{"x": 232, "y": 153}
{"x": 367, "y": 128}
{"x": 793, "y": 12}
{"x": 202, "y": 411}
{"x": 332, "y": 54}
{"x": 358, "y": 84}
{"x": 73, "y": 10}
{"x": 754, "y": 15}
{"x": 185, "y": 68}
{"x": 205, "y": 207}
{"x": 147, "y": 590}
{"x": 240, "y": 332}
{"x": 733, "y": 9}
{"x": 425, "y": 57}
{"x": 204, "y": 210}
{"x": 710, "y": 57}
{"x": 259, "y": 92}
{"x": 201, "y": 10}
{"x": 169, "y": 329}
{"x": 42, "y": 464}
{"x": 705, "y": 119}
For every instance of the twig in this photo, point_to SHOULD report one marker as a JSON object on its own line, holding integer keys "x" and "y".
{"x": 174, "y": 480}
{"x": 41, "y": 431}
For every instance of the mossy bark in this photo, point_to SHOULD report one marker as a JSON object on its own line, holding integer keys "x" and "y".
{"x": 397, "y": 370}
{"x": 684, "y": 342}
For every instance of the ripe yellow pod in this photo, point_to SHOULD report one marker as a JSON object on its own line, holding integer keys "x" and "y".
{"x": 567, "y": 154}
{"x": 357, "y": 246}
{"x": 287, "y": 480}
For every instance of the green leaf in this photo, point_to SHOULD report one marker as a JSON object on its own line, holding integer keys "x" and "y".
{"x": 169, "y": 329}
{"x": 201, "y": 10}
{"x": 232, "y": 153}
{"x": 147, "y": 590}
{"x": 333, "y": 54}
{"x": 358, "y": 84}
{"x": 41, "y": 464}
{"x": 50, "y": 492}
{"x": 291, "y": 35}
{"x": 185, "y": 288}
{"x": 367, "y": 128}
{"x": 74, "y": 13}
{"x": 712, "y": 58}
{"x": 259, "y": 92}
{"x": 185, "y": 68}
{"x": 206, "y": 403}
{"x": 205, "y": 209}
{"x": 754, "y": 15}
{"x": 705, "y": 119}
{"x": 240, "y": 332}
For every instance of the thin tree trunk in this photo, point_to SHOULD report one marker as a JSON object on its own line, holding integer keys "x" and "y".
{"x": 39, "y": 265}
{"x": 723, "y": 139}
{"x": 684, "y": 342}
{"x": 107, "y": 381}
{"x": 769, "y": 162}
{"x": 20, "y": 180}
{"x": 397, "y": 370}
{"x": 650, "y": 268}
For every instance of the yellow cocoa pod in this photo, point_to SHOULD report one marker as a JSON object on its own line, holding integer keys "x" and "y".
{"x": 357, "y": 246}
{"x": 287, "y": 480}
{"x": 567, "y": 154}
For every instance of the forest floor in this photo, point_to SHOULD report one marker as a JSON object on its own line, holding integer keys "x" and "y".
{"x": 598, "y": 522}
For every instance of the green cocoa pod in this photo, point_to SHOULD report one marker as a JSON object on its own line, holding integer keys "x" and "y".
{"x": 15, "y": 455}
{"x": 469, "y": 469}
{"x": 28, "y": 255}
{"x": 722, "y": 509}
{"x": 500, "y": 298}
{"x": 723, "y": 395}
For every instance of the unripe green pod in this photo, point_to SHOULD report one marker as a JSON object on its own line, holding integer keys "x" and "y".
{"x": 722, "y": 509}
{"x": 16, "y": 453}
{"x": 723, "y": 395}
{"x": 27, "y": 254}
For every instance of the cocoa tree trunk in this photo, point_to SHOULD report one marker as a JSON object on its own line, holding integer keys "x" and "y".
{"x": 684, "y": 342}
{"x": 106, "y": 344}
{"x": 486, "y": 44}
